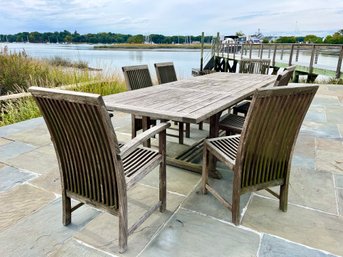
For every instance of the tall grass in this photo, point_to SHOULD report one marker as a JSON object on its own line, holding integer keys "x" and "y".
{"x": 20, "y": 110}
{"x": 18, "y": 72}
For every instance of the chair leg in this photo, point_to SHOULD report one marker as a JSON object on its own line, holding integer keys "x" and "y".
{"x": 283, "y": 204}
{"x": 205, "y": 166}
{"x": 163, "y": 175}
{"x": 188, "y": 130}
{"x": 163, "y": 187}
{"x": 236, "y": 214}
{"x": 66, "y": 210}
{"x": 123, "y": 229}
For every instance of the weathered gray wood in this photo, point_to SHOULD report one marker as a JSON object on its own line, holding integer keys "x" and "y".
{"x": 291, "y": 56}
{"x": 165, "y": 73}
{"x": 261, "y": 156}
{"x": 243, "y": 107}
{"x": 191, "y": 100}
{"x": 339, "y": 64}
{"x": 255, "y": 66}
{"x": 137, "y": 77}
{"x": 93, "y": 169}
{"x": 313, "y": 51}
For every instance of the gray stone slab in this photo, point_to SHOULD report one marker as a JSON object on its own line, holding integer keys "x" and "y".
{"x": 178, "y": 180}
{"x": 325, "y": 101}
{"x": 326, "y": 130}
{"x": 102, "y": 232}
{"x": 300, "y": 161}
{"x": 40, "y": 161}
{"x": 339, "y": 180}
{"x": 38, "y": 136}
{"x": 301, "y": 225}
{"x": 20, "y": 202}
{"x": 340, "y": 98}
{"x": 208, "y": 204}
{"x": 72, "y": 248}
{"x": 305, "y": 146}
{"x": 4, "y": 141}
{"x": 335, "y": 114}
{"x": 43, "y": 232}
{"x": 327, "y": 144}
{"x": 330, "y": 161}
{"x": 49, "y": 181}
{"x": 316, "y": 114}
{"x": 10, "y": 176}
{"x": 192, "y": 235}
{"x": 310, "y": 189}
{"x": 340, "y": 129}
{"x": 275, "y": 247}
{"x": 13, "y": 150}
{"x": 21, "y": 126}
{"x": 340, "y": 201}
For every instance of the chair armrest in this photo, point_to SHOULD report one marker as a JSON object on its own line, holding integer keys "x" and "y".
{"x": 132, "y": 145}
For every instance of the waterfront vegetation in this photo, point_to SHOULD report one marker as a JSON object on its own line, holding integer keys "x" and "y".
{"x": 152, "y": 46}
{"x": 18, "y": 72}
{"x": 117, "y": 38}
{"x": 103, "y": 38}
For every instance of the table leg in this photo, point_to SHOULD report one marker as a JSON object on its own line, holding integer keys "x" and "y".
{"x": 145, "y": 126}
{"x": 181, "y": 133}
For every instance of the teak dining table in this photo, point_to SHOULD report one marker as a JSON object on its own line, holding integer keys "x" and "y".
{"x": 190, "y": 100}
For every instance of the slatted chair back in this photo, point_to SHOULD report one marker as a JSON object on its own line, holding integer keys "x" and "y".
{"x": 165, "y": 72}
{"x": 255, "y": 66}
{"x": 86, "y": 146}
{"x": 283, "y": 78}
{"x": 269, "y": 135}
{"x": 137, "y": 77}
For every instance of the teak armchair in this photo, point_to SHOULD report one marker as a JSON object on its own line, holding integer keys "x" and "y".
{"x": 165, "y": 72}
{"x": 261, "y": 156}
{"x": 137, "y": 77}
{"x": 94, "y": 169}
{"x": 252, "y": 66}
{"x": 233, "y": 123}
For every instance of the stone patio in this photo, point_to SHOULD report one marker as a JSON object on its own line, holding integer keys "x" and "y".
{"x": 194, "y": 224}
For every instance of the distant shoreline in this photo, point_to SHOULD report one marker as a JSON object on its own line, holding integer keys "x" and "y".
{"x": 152, "y": 46}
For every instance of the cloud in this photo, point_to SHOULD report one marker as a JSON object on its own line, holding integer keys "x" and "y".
{"x": 171, "y": 17}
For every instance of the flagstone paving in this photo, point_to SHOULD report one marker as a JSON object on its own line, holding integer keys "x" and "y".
{"x": 194, "y": 224}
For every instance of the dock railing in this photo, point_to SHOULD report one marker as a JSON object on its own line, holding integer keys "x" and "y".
{"x": 320, "y": 59}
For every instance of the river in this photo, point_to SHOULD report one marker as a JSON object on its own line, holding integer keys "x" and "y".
{"x": 111, "y": 60}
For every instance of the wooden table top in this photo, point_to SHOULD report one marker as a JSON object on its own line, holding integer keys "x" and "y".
{"x": 190, "y": 100}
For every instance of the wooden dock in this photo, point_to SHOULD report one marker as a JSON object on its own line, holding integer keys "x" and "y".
{"x": 310, "y": 59}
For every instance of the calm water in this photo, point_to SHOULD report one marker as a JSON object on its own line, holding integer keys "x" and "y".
{"x": 111, "y": 61}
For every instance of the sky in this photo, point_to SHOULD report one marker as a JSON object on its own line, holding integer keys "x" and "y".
{"x": 173, "y": 17}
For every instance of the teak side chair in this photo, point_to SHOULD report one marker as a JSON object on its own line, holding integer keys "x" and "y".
{"x": 261, "y": 156}
{"x": 252, "y": 66}
{"x": 94, "y": 169}
{"x": 233, "y": 123}
{"x": 256, "y": 66}
{"x": 165, "y": 73}
{"x": 136, "y": 77}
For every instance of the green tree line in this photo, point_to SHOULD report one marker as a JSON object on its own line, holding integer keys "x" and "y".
{"x": 336, "y": 38}
{"x": 103, "y": 38}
